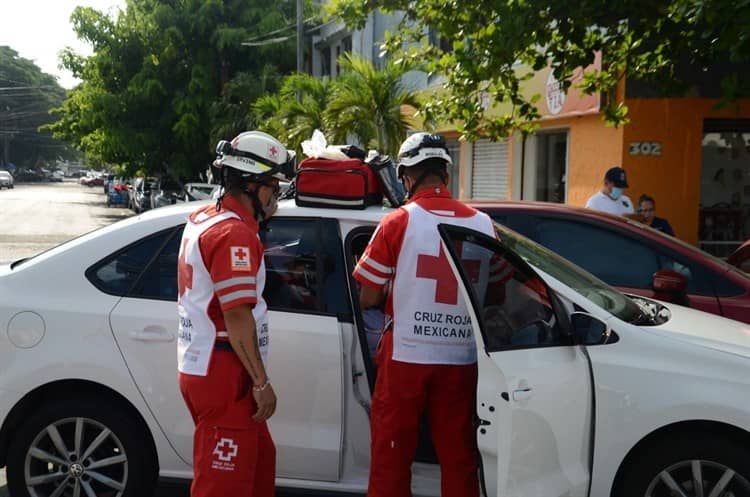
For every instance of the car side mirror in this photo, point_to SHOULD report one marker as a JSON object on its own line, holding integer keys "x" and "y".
{"x": 588, "y": 329}
{"x": 670, "y": 286}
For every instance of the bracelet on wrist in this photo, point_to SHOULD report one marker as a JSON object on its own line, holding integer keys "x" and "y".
{"x": 260, "y": 388}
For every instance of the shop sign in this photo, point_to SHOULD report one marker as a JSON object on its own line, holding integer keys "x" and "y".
{"x": 645, "y": 148}
{"x": 555, "y": 94}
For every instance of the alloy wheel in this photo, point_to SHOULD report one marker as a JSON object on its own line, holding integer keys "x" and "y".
{"x": 76, "y": 457}
{"x": 698, "y": 478}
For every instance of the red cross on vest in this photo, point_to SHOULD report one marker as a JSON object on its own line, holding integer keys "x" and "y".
{"x": 438, "y": 269}
{"x": 185, "y": 273}
{"x": 240, "y": 254}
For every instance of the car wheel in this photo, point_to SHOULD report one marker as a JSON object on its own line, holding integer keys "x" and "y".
{"x": 689, "y": 467}
{"x": 81, "y": 448}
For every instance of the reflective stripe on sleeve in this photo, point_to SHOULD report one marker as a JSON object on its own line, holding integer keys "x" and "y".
{"x": 240, "y": 280}
{"x": 376, "y": 265}
{"x": 368, "y": 275}
{"x": 240, "y": 294}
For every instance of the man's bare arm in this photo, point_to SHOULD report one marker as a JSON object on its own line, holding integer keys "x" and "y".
{"x": 244, "y": 339}
{"x": 370, "y": 297}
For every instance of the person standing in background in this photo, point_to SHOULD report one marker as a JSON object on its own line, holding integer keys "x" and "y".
{"x": 611, "y": 198}
{"x": 647, "y": 210}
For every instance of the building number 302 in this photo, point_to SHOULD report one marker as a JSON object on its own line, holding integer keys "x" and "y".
{"x": 645, "y": 148}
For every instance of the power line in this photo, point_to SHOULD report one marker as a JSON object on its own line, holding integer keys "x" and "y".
{"x": 251, "y": 41}
{"x": 10, "y": 88}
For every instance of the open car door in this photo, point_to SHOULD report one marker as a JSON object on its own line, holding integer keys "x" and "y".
{"x": 534, "y": 396}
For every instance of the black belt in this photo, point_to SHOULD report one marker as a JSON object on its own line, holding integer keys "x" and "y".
{"x": 223, "y": 345}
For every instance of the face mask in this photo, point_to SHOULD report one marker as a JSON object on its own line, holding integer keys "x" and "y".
{"x": 616, "y": 192}
{"x": 270, "y": 209}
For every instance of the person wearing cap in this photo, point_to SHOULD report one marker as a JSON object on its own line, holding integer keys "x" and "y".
{"x": 223, "y": 325}
{"x": 431, "y": 372}
{"x": 611, "y": 198}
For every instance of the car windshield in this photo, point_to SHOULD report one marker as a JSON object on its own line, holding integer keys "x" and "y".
{"x": 571, "y": 275}
{"x": 207, "y": 189}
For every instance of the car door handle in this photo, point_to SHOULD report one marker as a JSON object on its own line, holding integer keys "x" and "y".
{"x": 520, "y": 394}
{"x": 152, "y": 334}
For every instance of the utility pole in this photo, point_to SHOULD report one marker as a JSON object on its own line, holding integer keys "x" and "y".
{"x": 300, "y": 58}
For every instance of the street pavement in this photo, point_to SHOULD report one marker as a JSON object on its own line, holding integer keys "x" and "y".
{"x": 38, "y": 216}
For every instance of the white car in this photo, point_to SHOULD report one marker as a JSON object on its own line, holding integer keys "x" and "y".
{"x": 199, "y": 191}
{"x": 582, "y": 391}
{"x": 6, "y": 180}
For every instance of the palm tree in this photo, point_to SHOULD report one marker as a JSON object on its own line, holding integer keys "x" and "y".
{"x": 305, "y": 116}
{"x": 367, "y": 102}
{"x": 293, "y": 121}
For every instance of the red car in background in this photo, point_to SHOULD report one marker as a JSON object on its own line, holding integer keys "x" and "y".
{"x": 630, "y": 256}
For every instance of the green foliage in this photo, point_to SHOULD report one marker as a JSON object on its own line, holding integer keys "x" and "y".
{"x": 484, "y": 42}
{"x": 26, "y": 96}
{"x": 293, "y": 121}
{"x": 363, "y": 102}
{"x": 168, "y": 79}
{"x": 368, "y": 103}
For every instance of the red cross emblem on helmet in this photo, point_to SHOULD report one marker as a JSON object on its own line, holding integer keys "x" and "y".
{"x": 273, "y": 152}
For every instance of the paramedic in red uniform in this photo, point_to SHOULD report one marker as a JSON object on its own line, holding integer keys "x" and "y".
{"x": 223, "y": 330}
{"x": 427, "y": 356}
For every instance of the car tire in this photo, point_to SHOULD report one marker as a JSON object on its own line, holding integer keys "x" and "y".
{"x": 656, "y": 469}
{"x": 110, "y": 458}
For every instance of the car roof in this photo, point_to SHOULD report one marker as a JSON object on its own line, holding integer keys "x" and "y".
{"x": 570, "y": 211}
{"x": 287, "y": 208}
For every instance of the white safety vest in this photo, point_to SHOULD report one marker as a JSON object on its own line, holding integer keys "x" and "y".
{"x": 431, "y": 323}
{"x": 197, "y": 332}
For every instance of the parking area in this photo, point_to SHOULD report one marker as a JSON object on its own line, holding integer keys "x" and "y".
{"x": 38, "y": 216}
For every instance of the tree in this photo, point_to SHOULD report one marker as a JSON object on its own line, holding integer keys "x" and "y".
{"x": 168, "y": 79}
{"x": 483, "y": 43}
{"x": 26, "y": 96}
{"x": 293, "y": 119}
{"x": 369, "y": 103}
{"x": 364, "y": 102}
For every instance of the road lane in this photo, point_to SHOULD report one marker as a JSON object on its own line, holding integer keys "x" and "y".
{"x": 37, "y": 216}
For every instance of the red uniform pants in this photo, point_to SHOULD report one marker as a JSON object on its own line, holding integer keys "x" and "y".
{"x": 403, "y": 392}
{"x": 232, "y": 454}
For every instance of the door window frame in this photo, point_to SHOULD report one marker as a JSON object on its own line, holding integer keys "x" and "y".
{"x": 526, "y": 220}
{"x": 492, "y": 244}
{"x": 90, "y": 273}
{"x": 319, "y": 243}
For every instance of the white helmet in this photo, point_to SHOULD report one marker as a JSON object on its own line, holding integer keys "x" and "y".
{"x": 257, "y": 156}
{"x": 420, "y": 147}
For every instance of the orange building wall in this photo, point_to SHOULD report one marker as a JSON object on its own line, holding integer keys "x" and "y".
{"x": 592, "y": 149}
{"x": 673, "y": 178}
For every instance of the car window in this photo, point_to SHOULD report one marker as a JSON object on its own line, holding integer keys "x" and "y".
{"x": 334, "y": 290}
{"x": 583, "y": 282}
{"x": 606, "y": 254}
{"x": 305, "y": 266}
{"x": 159, "y": 281}
{"x": 724, "y": 287}
{"x": 512, "y": 300}
{"x": 698, "y": 283}
{"x": 118, "y": 272}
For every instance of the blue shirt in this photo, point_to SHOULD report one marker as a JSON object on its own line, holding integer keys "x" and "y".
{"x": 662, "y": 225}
